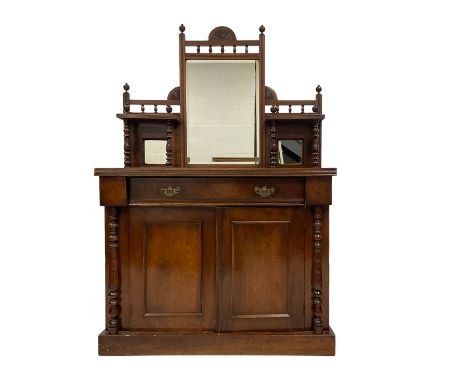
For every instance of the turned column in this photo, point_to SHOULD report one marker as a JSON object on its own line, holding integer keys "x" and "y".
{"x": 316, "y": 133}
{"x": 113, "y": 271}
{"x": 126, "y": 109}
{"x": 317, "y": 324}
{"x": 273, "y": 145}
{"x": 169, "y": 130}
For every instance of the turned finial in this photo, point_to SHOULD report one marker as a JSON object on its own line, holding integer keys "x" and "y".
{"x": 126, "y": 98}
{"x": 261, "y": 29}
{"x": 318, "y": 89}
{"x": 182, "y": 28}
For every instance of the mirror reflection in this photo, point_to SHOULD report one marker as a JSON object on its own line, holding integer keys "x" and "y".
{"x": 155, "y": 151}
{"x": 290, "y": 151}
{"x": 222, "y": 111}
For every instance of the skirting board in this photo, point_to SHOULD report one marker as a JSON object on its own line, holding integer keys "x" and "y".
{"x": 212, "y": 343}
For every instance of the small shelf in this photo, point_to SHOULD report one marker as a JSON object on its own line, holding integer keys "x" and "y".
{"x": 150, "y": 116}
{"x": 294, "y": 116}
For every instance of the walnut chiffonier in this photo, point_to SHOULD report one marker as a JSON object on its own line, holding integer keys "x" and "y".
{"x": 217, "y": 226}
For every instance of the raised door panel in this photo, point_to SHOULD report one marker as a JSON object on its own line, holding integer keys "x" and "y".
{"x": 262, "y": 269}
{"x": 173, "y": 276}
{"x": 172, "y": 268}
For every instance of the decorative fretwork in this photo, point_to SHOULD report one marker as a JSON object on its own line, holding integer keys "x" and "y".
{"x": 173, "y": 99}
{"x": 317, "y": 324}
{"x": 169, "y": 127}
{"x": 224, "y": 38}
{"x": 293, "y": 107}
{"x": 127, "y": 152}
{"x": 316, "y": 144}
{"x": 273, "y": 145}
{"x": 113, "y": 289}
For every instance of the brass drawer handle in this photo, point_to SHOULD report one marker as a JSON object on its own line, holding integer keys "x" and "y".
{"x": 264, "y": 191}
{"x": 170, "y": 191}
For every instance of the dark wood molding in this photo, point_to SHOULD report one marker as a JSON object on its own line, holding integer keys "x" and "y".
{"x": 199, "y": 43}
{"x": 222, "y": 56}
{"x": 148, "y": 171}
{"x": 294, "y": 116}
{"x": 150, "y": 116}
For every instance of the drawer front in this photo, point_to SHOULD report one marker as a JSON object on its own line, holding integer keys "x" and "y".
{"x": 217, "y": 190}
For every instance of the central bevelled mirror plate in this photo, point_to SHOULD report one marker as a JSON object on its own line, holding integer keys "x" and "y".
{"x": 222, "y": 111}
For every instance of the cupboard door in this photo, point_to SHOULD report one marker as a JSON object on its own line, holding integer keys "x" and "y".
{"x": 172, "y": 268}
{"x": 262, "y": 269}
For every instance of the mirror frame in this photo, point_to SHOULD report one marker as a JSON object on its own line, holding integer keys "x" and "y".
{"x": 222, "y": 36}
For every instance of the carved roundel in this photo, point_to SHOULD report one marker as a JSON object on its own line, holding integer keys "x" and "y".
{"x": 270, "y": 94}
{"x": 174, "y": 94}
{"x": 222, "y": 33}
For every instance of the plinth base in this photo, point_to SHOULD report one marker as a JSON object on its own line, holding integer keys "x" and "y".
{"x": 212, "y": 343}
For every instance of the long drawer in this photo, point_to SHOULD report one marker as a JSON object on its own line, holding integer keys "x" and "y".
{"x": 229, "y": 191}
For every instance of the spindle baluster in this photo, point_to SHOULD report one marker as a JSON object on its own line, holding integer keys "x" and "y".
{"x": 234, "y": 49}
{"x": 142, "y": 108}
{"x": 246, "y": 49}
{"x": 290, "y": 108}
{"x": 302, "y": 109}
{"x": 222, "y": 48}
{"x": 155, "y": 108}
{"x": 198, "y": 48}
{"x": 210, "y": 49}
{"x": 169, "y": 109}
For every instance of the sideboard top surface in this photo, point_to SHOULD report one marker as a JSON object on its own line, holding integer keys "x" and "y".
{"x": 149, "y": 171}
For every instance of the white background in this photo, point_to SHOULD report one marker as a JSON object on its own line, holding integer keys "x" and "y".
{"x": 394, "y": 78}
